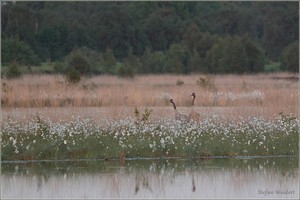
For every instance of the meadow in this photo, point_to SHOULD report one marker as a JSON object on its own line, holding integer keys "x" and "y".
{"x": 44, "y": 118}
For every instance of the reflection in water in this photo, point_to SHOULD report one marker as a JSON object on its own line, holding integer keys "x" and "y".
{"x": 193, "y": 184}
{"x": 141, "y": 178}
{"x": 203, "y": 178}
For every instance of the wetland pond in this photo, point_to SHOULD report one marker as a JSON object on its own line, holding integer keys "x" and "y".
{"x": 239, "y": 177}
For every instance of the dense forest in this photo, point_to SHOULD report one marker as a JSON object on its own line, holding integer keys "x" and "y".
{"x": 127, "y": 38}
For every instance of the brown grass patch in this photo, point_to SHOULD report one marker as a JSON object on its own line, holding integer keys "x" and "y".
{"x": 234, "y": 95}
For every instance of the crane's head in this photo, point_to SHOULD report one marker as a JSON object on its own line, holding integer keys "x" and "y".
{"x": 193, "y": 95}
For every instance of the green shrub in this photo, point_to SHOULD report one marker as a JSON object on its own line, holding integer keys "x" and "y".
{"x": 15, "y": 50}
{"x": 79, "y": 63}
{"x": 109, "y": 61}
{"x": 13, "y": 71}
{"x": 290, "y": 57}
{"x": 59, "y": 67}
{"x": 125, "y": 71}
{"x": 272, "y": 67}
{"x": 235, "y": 55}
{"x": 73, "y": 76}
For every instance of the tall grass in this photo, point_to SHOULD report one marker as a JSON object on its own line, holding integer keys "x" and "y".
{"x": 95, "y": 119}
{"x": 261, "y": 91}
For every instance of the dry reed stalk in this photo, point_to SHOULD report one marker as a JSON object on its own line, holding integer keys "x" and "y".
{"x": 237, "y": 92}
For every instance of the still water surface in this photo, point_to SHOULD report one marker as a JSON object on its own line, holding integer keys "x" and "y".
{"x": 173, "y": 178}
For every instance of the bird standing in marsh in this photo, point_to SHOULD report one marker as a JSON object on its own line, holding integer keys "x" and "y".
{"x": 193, "y": 114}
{"x": 178, "y": 115}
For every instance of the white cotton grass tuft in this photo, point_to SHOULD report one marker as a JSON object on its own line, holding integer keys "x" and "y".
{"x": 163, "y": 137}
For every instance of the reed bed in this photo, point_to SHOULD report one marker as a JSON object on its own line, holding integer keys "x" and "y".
{"x": 272, "y": 92}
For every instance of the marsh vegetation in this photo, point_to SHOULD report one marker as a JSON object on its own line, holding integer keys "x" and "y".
{"x": 242, "y": 116}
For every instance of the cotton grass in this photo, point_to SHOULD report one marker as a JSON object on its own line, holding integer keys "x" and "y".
{"x": 83, "y": 138}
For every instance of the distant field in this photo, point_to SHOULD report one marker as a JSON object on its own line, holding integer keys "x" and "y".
{"x": 237, "y": 94}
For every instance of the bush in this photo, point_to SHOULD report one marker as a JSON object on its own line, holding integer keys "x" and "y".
{"x": 179, "y": 82}
{"x": 254, "y": 54}
{"x": 272, "y": 67}
{"x": 79, "y": 63}
{"x": 59, "y": 67}
{"x": 73, "y": 76}
{"x": 14, "y": 50}
{"x": 153, "y": 62}
{"x": 125, "y": 71}
{"x": 109, "y": 61}
{"x": 235, "y": 55}
{"x": 289, "y": 58}
{"x": 176, "y": 59}
{"x": 144, "y": 117}
{"x": 94, "y": 58}
{"x": 208, "y": 82}
{"x": 13, "y": 71}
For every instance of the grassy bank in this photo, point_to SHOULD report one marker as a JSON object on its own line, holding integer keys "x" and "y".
{"x": 81, "y": 138}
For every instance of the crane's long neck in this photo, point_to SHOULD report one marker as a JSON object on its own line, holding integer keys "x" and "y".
{"x": 193, "y": 101}
{"x": 174, "y": 106}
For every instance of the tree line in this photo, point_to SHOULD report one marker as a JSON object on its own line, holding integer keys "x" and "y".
{"x": 126, "y": 38}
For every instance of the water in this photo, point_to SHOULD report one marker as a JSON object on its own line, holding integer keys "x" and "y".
{"x": 174, "y": 178}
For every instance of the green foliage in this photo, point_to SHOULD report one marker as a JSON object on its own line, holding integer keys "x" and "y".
{"x": 166, "y": 37}
{"x": 73, "y": 76}
{"x": 196, "y": 64}
{"x": 13, "y": 71}
{"x": 192, "y": 36}
{"x": 198, "y": 44}
{"x": 235, "y": 59}
{"x": 255, "y": 57}
{"x": 51, "y": 40}
{"x": 79, "y": 63}
{"x": 59, "y": 67}
{"x": 146, "y": 61}
{"x": 95, "y": 59}
{"x": 290, "y": 57}
{"x": 272, "y": 67}
{"x": 176, "y": 59}
{"x": 125, "y": 71}
{"x": 133, "y": 61}
{"x": 109, "y": 61}
{"x": 280, "y": 29}
{"x": 153, "y": 62}
{"x": 14, "y": 50}
{"x": 162, "y": 28}
{"x": 235, "y": 55}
